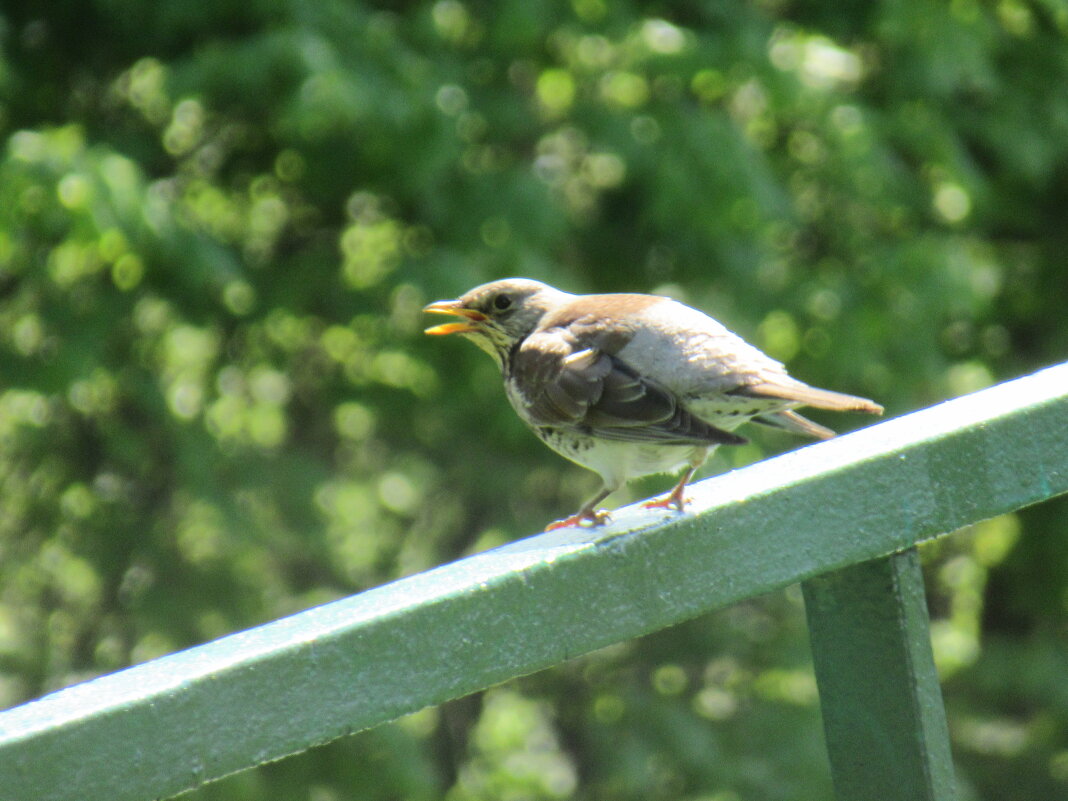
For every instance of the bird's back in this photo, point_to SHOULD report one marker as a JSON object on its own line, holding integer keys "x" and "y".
{"x": 679, "y": 347}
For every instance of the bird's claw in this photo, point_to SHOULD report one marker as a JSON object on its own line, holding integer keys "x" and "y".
{"x": 675, "y": 500}
{"x": 595, "y": 518}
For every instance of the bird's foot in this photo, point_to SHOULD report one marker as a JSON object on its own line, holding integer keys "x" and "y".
{"x": 594, "y": 517}
{"x": 675, "y": 500}
{"x": 677, "y": 496}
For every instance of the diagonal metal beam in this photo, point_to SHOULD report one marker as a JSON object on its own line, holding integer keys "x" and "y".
{"x": 168, "y": 725}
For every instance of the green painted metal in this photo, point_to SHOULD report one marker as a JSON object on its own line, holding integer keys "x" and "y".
{"x": 157, "y": 729}
{"x": 882, "y": 706}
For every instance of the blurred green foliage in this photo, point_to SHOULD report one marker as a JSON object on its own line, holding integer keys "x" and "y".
{"x": 218, "y": 223}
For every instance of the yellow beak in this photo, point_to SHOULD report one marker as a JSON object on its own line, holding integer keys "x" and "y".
{"x": 454, "y": 308}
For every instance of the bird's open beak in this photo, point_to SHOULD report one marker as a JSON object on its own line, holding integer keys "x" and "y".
{"x": 454, "y": 308}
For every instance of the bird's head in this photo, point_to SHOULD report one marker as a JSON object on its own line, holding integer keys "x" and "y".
{"x": 497, "y": 315}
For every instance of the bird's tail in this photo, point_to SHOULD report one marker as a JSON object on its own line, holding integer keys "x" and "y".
{"x": 794, "y": 423}
{"x": 805, "y": 395}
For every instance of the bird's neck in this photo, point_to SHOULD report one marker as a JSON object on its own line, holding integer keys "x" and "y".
{"x": 506, "y": 357}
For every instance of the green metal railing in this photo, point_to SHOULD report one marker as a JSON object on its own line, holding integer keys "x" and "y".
{"x": 843, "y": 517}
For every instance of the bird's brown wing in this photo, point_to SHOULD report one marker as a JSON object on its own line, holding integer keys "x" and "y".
{"x": 562, "y": 384}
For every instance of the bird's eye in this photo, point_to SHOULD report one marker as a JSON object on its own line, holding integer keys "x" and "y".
{"x": 502, "y": 302}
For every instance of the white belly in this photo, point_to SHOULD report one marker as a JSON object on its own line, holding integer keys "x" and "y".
{"x": 618, "y": 462}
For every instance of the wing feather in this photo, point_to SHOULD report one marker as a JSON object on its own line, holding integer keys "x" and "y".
{"x": 563, "y": 385}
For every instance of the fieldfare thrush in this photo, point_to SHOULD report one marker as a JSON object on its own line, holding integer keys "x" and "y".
{"x": 630, "y": 385}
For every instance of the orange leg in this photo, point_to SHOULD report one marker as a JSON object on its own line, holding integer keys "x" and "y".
{"x": 596, "y": 517}
{"x": 676, "y": 497}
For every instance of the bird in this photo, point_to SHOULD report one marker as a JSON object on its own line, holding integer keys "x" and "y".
{"x": 628, "y": 385}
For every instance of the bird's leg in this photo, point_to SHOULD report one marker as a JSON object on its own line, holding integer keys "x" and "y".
{"x": 597, "y": 517}
{"x": 676, "y": 497}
